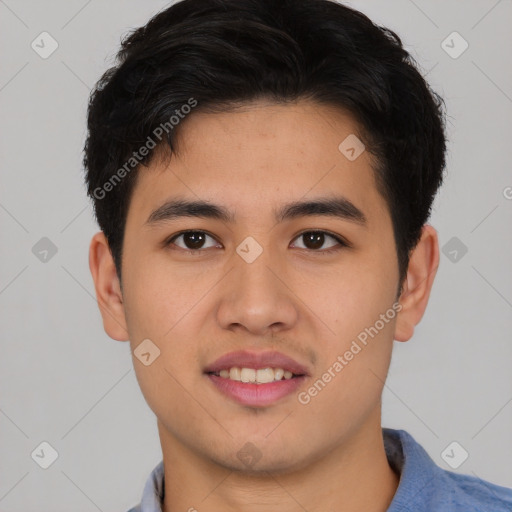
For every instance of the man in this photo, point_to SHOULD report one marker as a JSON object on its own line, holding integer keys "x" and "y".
{"x": 262, "y": 173}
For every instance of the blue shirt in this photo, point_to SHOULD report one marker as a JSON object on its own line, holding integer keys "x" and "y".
{"x": 423, "y": 487}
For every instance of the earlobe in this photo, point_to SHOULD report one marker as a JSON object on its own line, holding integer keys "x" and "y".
{"x": 421, "y": 272}
{"x": 108, "y": 289}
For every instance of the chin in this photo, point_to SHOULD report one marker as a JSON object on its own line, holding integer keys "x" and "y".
{"x": 251, "y": 461}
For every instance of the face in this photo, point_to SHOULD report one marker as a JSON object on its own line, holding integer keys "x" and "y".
{"x": 265, "y": 285}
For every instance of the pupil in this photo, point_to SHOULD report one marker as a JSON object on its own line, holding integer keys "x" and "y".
{"x": 316, "y": 238}
{"x": 193, "y": 240}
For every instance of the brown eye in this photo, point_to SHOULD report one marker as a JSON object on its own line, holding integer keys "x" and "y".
{"x": 192, "y": 240}
{"x": 314, "y": 240}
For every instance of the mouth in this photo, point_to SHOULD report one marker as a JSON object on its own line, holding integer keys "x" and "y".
{"x": 256, "y": 379}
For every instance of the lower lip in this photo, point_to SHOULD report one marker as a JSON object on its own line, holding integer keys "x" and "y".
{"x": 256, "y": 395}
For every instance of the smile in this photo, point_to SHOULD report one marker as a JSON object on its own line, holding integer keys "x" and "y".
{"x": 256, "y": 379}
{"x": 255, "y": 376}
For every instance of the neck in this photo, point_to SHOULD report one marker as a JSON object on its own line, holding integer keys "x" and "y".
{"x": 354, "y": 476}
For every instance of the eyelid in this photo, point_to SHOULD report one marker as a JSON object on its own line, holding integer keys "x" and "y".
{"x": 170, "y": 240}
{"x": 342, "y": 242}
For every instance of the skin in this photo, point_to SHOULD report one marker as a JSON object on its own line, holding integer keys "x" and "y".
{"x": 328, "y": 454}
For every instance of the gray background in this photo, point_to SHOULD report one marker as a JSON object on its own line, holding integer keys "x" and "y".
{"x": 65, "y": 382}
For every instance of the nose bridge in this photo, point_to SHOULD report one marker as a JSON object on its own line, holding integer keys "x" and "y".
{"x": 257, "y": 298}
{"x": 253, "y": 267}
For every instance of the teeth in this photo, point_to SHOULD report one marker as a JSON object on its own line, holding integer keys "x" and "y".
{"x": 234, "y": 374}
{"x": 248, "y": 375}
{"x": 265, "y": 375}
{"x": 260, "y": 376}
{"x": 278, "y": 373}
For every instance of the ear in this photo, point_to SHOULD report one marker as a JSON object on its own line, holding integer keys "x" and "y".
{"x": 418, "y": 283}
{"x": 108, "y": 288}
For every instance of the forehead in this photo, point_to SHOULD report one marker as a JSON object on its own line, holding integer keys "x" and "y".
{"x": 260, "y": 156}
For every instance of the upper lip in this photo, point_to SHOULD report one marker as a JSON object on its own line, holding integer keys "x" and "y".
{"x": 256, "y": 360}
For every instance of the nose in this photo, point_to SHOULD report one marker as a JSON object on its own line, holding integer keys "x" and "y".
{"x": 258, "y": 296}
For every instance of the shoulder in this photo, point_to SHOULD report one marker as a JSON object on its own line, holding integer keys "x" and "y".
{"x": 470, "y": 493}
{"x": 424, "y": 486}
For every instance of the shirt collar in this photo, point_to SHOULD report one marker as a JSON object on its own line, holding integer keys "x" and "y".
{"x": 416, "y": 469}
{"x": 154, "y": 491}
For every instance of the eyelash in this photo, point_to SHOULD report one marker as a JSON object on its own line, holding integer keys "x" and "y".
{"x": 342, "y": 243}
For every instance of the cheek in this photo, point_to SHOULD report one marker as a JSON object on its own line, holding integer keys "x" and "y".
{"x": 159, "y": 295}
{"x": 350, "y": 379}
{"x": 351, "y": 297}
{"x": 167, "y": 391}
{"x": 162, "y": 310}
{"x": 357, "y": 304}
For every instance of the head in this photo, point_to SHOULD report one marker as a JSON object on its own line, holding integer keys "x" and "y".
{"x": 233, "y": 110}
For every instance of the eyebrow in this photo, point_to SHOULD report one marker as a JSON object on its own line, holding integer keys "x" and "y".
{"x": 338, "y": 206}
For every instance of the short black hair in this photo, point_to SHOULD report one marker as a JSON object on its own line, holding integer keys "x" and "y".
{"x": 217, "y": 55}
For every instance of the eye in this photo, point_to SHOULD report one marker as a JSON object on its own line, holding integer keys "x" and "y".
{"x": 316, "y": 239}
{"x": 193, "y": 240}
